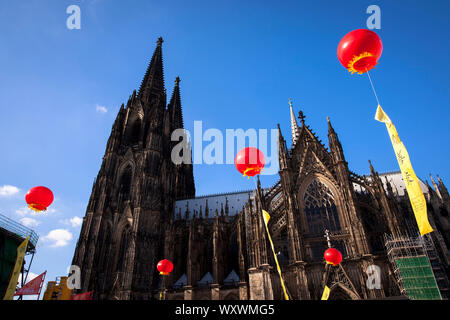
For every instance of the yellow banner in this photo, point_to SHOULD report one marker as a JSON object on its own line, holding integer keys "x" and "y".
{"x": 21, "y": 249}
{"x": 266, "y": 217}
{"x": 415, "y": 193}
{"x": 326, "y": 293}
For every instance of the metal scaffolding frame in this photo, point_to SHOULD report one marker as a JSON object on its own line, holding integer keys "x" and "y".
{"x": 410, "y": 260}
{"x": 20, "y": 232}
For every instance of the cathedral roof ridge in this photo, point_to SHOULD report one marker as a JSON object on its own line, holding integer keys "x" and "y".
{"x": 220, "y": 194}
{"x": 390, "y": 172}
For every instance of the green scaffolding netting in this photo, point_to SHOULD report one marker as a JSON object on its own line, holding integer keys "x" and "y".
{"x": 418, "y": 278}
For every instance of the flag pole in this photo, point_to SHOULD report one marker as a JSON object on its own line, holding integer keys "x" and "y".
{"x": 42, "y": 284}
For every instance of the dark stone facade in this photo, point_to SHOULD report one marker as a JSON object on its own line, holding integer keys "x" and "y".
{"x": 130, "y": 222}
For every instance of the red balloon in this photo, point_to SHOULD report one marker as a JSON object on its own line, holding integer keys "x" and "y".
{"x": 165, "y": 267}
{"x": 249, "y": 161}
{"x": 333, "y": 256}
{"x": 39, "y": 198}
{"x": 359, "y": 50}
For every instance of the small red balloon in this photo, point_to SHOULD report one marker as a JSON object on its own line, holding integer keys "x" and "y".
{"x": 39, "y": 198}
{"x": 249, "y": 161}
{"x": 165, "y": 267}
{"x": 332, "y": 256}
{"x": 359, "y": 50}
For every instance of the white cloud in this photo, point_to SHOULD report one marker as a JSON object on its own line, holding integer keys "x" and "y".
{"x": 100, "y": 109}
{"x": 74, "y": 222}
{"x": 7, "y": 190}
{"x": 30, "y": 277}
{"x": 29, "y": 222}
{"x": 25, "y": 211}
{"x": 58, "y": 238}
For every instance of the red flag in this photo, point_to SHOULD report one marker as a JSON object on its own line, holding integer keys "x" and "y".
{"x": 82, "y": 296}
{"x": 32, "y": 287}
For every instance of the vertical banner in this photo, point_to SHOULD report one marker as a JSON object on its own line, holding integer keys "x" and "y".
{"x": 266, "y": 217}
{"x": 326, "y": 293}
{"x": 415, "y": 193}
{"x": 21, "y": 249}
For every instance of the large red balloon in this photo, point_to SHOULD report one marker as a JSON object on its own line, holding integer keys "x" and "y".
{"x": 249, "y": 161}
{"x": 333, "y": 256}
{"x": 165, "y": 267}
{"x": 359, "y": 50}
{"x": 39, "y": 198}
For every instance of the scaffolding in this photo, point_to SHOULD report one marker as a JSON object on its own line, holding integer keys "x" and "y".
{"x": 19, "y": 230}
{"x": 413, "y": 272}
{"x": 12, "y": 234}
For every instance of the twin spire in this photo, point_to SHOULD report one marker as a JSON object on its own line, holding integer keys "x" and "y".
{"x": 296, "y": 131}
{"x": 176, "y": 114}
{"x": 153, "y": 84}
{"x": 153, "y": 81}
{"x": 294, "y": 125}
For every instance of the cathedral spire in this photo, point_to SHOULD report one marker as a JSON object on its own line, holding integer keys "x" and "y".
{"x": 372, "y": 170}
{"x": 330, "y": 127}
{"x": 154, "y": 76}
{"x": 389, "y": 189}
{"x": 280, "y": 135}
{"x": 175, "y": 112}
{"x": 442, "y": 186}
{"x": 334, "y": 143}
{"x": 294, "y": 125}
{"x": 435, "y": 186}
{"x": 282, "y": 150}
{"x": 227, "y": 209}
{"x": 302, "y": 117}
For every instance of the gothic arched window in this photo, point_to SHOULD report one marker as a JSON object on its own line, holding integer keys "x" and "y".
{"x": 133, "y": 132}
{"x": 104, "y": 245}
{"x": 125, "y": 182}
{"x": 320, "y": 209}
{"x": 122, "y": 251}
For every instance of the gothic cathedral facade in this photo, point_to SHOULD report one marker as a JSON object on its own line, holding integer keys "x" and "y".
{"x": 133, "y": 218}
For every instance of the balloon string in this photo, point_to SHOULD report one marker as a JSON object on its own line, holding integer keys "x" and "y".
{"x": 254, "y": 182}
{"x": 373, "y": 88}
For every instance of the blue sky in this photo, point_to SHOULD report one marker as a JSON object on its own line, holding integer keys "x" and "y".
{"x": 238, "y": 62}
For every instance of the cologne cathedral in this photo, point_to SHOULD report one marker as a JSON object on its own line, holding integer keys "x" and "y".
{"x": 143, "y": 209}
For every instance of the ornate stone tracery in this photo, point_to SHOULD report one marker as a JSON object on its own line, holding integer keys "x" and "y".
{"x": 320, "y": 209}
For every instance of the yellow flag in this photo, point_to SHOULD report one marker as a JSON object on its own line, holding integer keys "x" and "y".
{"x": 415, "y": 193}
{"x": 326, "y": 293}
{"x": 21, "y": 249}
{"x": 266, "y": 217}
